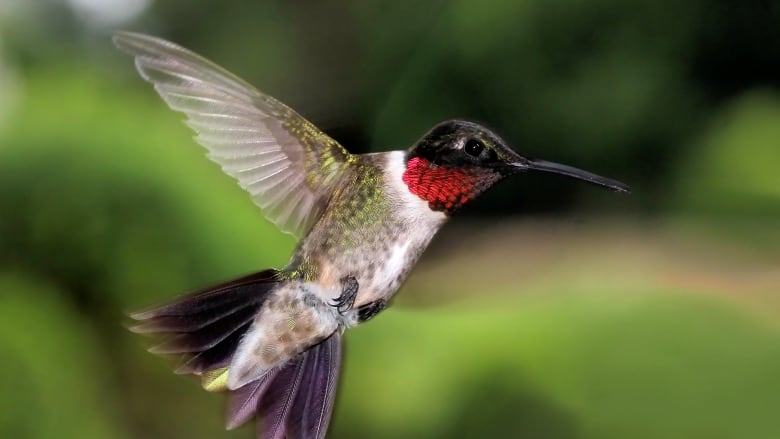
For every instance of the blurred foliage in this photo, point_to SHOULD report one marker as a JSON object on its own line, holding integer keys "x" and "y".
{"x": 656, "y": 318}
{"x": 53, "y": 377}
{"x": 598, "y": 366}
{"x": 736, "y": 160}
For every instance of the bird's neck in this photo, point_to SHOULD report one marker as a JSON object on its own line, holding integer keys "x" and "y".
{"x": 446, "y": 188}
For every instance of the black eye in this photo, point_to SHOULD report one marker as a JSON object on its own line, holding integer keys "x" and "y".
{"x": 474, "y": 147}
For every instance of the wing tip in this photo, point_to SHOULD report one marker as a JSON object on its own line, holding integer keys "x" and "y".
{"x": 125, "y": 40}
{"x": 136, "y": 43}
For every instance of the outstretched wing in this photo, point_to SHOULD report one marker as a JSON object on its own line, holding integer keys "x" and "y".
{"x": 288, "y": 165}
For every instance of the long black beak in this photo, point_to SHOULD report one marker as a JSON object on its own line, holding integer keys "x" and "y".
{"x": 570, "y": 171}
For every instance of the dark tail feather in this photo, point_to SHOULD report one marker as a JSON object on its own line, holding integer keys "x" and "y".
{"x": 205, "y": 327}
{"x": 296, "y": 400}
{"x": 312, "y": 409}
{"x": 243, "y": 402}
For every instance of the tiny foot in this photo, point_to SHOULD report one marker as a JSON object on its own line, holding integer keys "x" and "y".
{"x": 369, "y": 310}
{"x": 349, "y": 290}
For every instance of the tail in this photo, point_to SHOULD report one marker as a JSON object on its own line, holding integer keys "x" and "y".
{"x": 294, "y": 400}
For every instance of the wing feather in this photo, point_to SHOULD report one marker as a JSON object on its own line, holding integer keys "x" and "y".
{"x": 287, "y": 165}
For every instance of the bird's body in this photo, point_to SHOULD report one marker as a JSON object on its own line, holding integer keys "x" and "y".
{"x": 373, "y": 231}
{"x": 273, "y": 339}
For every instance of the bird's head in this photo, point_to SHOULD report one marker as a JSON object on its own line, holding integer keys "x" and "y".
{"x": 458, "y": 160}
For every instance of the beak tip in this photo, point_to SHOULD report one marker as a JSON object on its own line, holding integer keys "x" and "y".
{"x": 557, "y": 168}
{"x": 622, "y": 189}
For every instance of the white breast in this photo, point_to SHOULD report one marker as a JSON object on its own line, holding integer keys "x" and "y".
{"x": 418, "y": 224}
{"x": 409, "y": 206}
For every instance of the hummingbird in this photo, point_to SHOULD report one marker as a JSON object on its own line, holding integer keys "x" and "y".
{"x": 273, "y": 339}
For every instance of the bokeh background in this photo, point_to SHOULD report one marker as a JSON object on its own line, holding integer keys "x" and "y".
{"x": 548, "y": 309}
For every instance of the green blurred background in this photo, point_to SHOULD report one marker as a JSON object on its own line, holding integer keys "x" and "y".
{"x": 548, "y": 309}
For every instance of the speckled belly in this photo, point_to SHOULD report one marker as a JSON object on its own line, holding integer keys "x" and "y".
{"x": 295, "y": 317}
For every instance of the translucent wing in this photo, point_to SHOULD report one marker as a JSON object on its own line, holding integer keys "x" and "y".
{"x": 288, "y": 165}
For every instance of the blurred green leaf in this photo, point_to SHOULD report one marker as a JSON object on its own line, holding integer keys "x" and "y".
{"x": 734, "y": 169}
{"x": 55, "y": 383}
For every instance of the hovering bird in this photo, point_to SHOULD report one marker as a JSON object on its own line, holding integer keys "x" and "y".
{"x": 273, "y": 339}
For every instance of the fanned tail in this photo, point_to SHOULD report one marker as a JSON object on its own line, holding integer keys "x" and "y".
{"x": 204, "y": 327}
{"x": 294, "y": 400}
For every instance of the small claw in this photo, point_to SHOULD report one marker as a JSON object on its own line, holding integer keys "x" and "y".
{"x": 349, "y": 290}
{"x": 368, "y": 311}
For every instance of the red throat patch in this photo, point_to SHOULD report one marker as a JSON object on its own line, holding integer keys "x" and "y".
{"x": 446, "y": 188}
